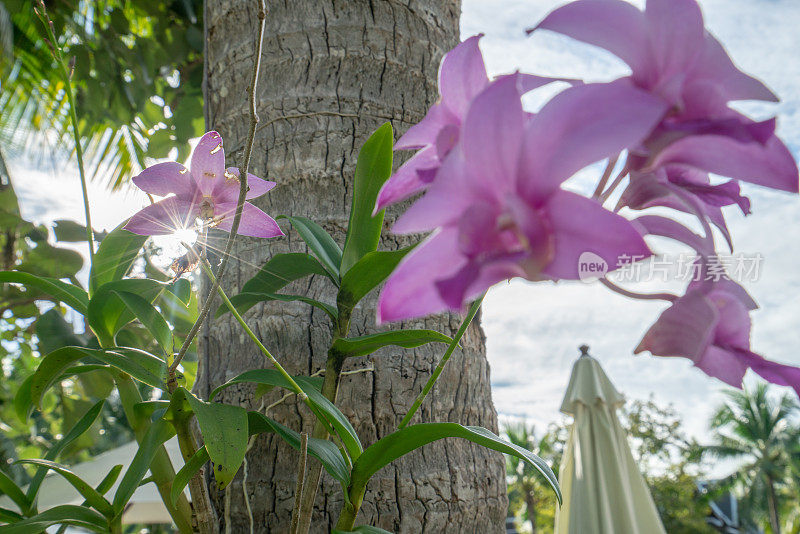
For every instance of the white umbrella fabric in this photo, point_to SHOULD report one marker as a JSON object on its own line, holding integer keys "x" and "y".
{"x": 604, "y": 492}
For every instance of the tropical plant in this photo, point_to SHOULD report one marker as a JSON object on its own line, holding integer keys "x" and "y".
{"x": 759, "y": 430}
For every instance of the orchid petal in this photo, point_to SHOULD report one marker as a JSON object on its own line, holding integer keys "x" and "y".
{"x": 462, "y": 76}
{"x": 425, "y": 131}
{"x": 685, "y": 329}
{"x": 716, "y": 65}
{"x": 208, "y": 162}
{"x": 664, "y": 227}
{"x": 579, "y": 126}
{"x": 254, "y": 222}
{"x": 410, "y": 291}
{"x": 164, "y": 178}
{"x": 228, "y": 190}
{"x": 722, "y": 364}
{"x": 676, "y": 34}
{"x": 492, "y": 134}
{"x": 473, "y": 280}
{"x": 581, "y": 225}
{"x": 614, "y": 25}
{"x": 406, "y": 181}
{"x": 770, "y": 165}
{"x": 777, "y": 373}
{"x": 163, "y": 218}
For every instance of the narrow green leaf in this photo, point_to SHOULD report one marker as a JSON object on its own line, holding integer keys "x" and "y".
{"x": 139, "y": 364}
{"x": 159, "y": 432}
{"x": 324, "y": 409}
{"x": 114, "y": 256}
{"x": 10, "y": 488}
{"x": 108, "y": 481}
{"x": 107, "y": 313}
{"x": 66, "y": 514}
{"x": 407, "y": 339}
{"x": 9, "y": 516}
{"x": 83, "y": 424}
{"x": 149, "y": 317}
{"x": 182, "y": 288}
{"x": 72, "y": 296}
{"x": 323, "y": 450}
{"x": 366, "y": 274}
{"x": 410, "y": 438}
{"x": 245, "y": 301}
{"x": 224, "y": 430}
{"x": 182, "y": 477}
{"x": 278, "y": 272}
{"x": 93, "y": 498}
{"x": 319, "y": 242}
{"x": 373, "y": 168}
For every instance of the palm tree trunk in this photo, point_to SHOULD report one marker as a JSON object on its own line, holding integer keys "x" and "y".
{"x": 774, "y": 513}
{"x": 530, "y": 503}
{"x": 332, "y": 72}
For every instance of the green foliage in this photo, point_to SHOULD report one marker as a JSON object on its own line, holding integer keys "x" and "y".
{"x": 137, "y": 77}
{"x": 320, "y": 243}
{"x": 408, "y": 339}
{"x": 373, "y": 168}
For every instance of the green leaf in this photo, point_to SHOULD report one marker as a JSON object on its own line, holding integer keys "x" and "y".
{"x": 108, "y": 481}
{"x": 410, "y": 438}
{"x": 9, "y": 516}
{"x": 149, "y": 317}
{"x": 321, "y": 449}
{"x": 139, "y": 364}
{"x": 107, "y": 313}
{"x": 93, "y": 498}
{"x": 366, "y": 274}
{"x": 224, "y": 430}
{"x": 54, "y": 332}
{"x": 182, "y": 288}
{"x": 46, "y": 260}
{"x": 363, "y": 529}
{"x": 69, "y": 231}
{"x": 10, "y": 488}
{"x": 319, "y": 242}
{"x": 245, "y": 301}
{"x": 72, "y": 296}
{"x": 182, "y": 477}
{"x": 66, "y": 514}
{"x": 114, "y": 256}
{"x": 83, "y": 424}
{"x": 324, "y": 409}
{"x": 373, "y": 168}
{"x": 159, "y": 432}
{"x": 408, "y": 339}
{"x": 279, "y": 271}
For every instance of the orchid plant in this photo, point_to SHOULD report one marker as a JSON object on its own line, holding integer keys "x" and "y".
{"x": 487, "y": 177}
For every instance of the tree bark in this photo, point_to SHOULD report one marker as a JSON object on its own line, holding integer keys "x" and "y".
{"x": 774, "y": 513}
{"x": 332, "y": 72}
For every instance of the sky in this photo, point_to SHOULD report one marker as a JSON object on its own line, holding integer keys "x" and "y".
{"x": 533, "y": 330}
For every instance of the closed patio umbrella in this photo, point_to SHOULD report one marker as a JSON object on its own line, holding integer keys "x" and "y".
{"x": 604, "y": 492}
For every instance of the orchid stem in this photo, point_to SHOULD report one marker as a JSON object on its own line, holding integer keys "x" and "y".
{"x": 251, "y": 334}
{"x": 638, "y": 296}
{"x": 473, "y": 309}
{"x": 66, "y": 76}
{"x": 243, "y": 170}
{"x": 612, "y": 162}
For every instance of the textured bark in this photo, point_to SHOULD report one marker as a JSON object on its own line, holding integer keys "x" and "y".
{"x": 345, "y": 67}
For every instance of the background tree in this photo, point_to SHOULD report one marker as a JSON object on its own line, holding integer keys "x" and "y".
{"x": 333, "y": 72}
{"x": 756, "y": 429}
{"x": 144, "y": 59}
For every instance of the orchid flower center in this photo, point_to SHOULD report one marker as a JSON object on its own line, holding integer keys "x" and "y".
{"x": 207, "y": 208}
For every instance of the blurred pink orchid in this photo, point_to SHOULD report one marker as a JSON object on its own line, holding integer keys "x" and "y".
{"x": 462, "y": 76}
{"x": 710, "y": 325}
{"x": 672, "y": 56}
{"x": 666, "y": 186}
{"x": 207, "y": 191}
{"x": 497, "y": 205}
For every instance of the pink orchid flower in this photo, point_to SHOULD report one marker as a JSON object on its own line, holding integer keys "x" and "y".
{"x": 207, "y": 190}
{"x": 711, "y": 327}
{"x": 497, "y": 206}
{"x": 663, "y": 187}
{"x": 672, "y": 55}
{"x": 462, "y": 76}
